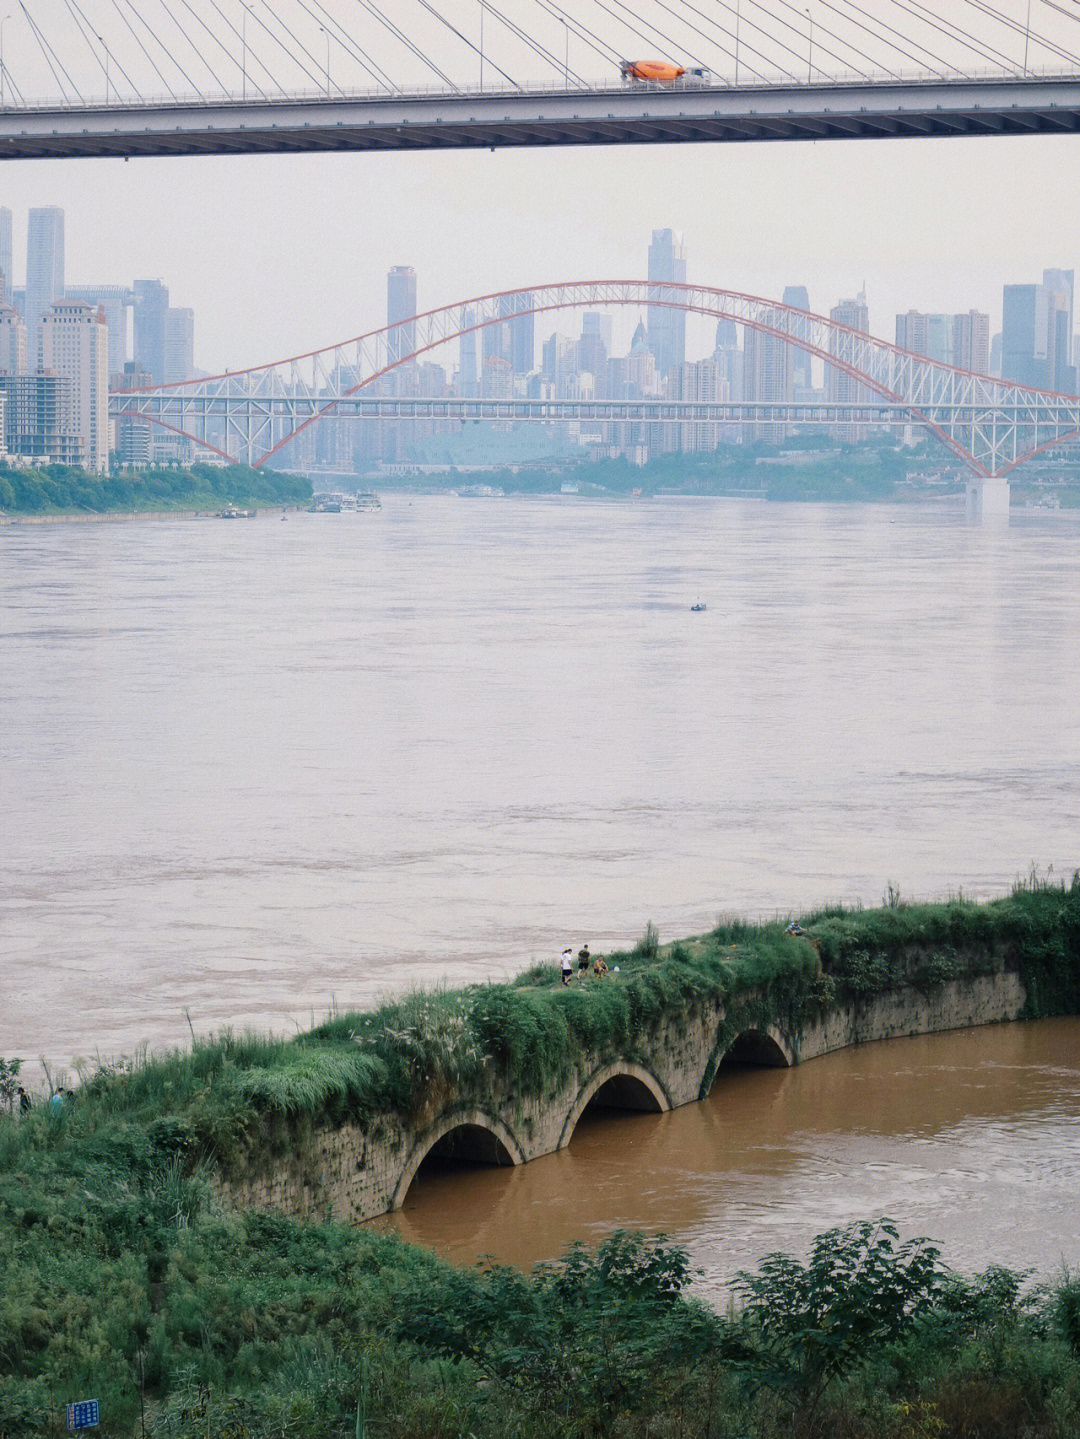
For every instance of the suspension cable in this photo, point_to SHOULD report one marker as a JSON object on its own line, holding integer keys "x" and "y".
{"x": 47, "y": 50}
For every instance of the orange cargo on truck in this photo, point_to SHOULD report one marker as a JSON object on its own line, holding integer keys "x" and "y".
{"x": 655, "y": 70}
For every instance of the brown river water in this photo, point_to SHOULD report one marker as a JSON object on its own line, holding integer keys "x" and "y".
{"x": 248, "y": 771}
{"x": 971, "y": 1138}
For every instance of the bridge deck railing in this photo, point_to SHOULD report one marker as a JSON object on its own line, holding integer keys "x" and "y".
{"x": 123, "y": 103}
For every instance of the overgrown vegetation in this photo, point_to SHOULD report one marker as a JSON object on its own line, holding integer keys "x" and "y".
{"x": 125, "y": 1285}
{"x": 58, "y": 489}
{"x": 115, "y": 1262}
{"x": 233, "y": 1093}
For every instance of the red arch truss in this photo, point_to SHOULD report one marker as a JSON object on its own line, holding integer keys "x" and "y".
{"x": 992, "y": 424}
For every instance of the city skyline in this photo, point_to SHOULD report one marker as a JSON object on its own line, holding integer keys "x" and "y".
{"x": 952, "y": 225}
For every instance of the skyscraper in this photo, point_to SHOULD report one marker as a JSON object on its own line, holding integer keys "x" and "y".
{"x": 179, "y": 345}
{"x": 401, "y": 305}
{"x": 523, "y": 336}
{"x": 1059, "y": 285}
{"x": 667, "y": 327}
{"x": 841, "y": 387}
{"x": 151, "y": 311}
{"x": 74, "y": 344}
{"x": 729, "y": 358}
{"x": 44, "y": 264}
{"x": 594, "y": 348}
{"x": 1024, "y": 335}
{"x": 6, "y": 271}
{"x": 468, "y": 371}
{"x": 797, "y": 296}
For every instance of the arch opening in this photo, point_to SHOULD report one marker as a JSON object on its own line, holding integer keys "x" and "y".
{"x": 468, "y": 1144}
{"x": 622, "y": 1087}
{"x": 624, "y": 1092}
{"x": 469, "y": 1141}
{"x": 753, "y": 1050}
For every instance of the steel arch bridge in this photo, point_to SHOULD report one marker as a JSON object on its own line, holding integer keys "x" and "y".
{"x": 989, "y": 423}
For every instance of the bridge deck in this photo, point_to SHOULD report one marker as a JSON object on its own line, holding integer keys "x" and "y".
{"x": 615, "y": 116}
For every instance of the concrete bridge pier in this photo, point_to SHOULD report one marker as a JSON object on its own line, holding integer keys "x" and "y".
{"x": 988, "y": 500}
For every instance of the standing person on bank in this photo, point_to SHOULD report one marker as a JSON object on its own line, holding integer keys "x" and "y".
{"x": 567, "y": 964}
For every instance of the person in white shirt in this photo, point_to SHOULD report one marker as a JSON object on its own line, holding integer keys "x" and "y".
{"x": 567, "y": 964}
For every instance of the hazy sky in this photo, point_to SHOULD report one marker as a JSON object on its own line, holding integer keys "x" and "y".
{"x": 279, "y": 254}
{"x": 282, "y": 253}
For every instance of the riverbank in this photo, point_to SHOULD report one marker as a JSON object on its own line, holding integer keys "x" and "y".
{"x": 66, "y": 492}
{"x": 117, "y": 517}
{"x": 118, "y": 1259}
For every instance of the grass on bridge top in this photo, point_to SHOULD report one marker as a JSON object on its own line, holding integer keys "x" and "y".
{"x": 119, "y": 1274}
{"x": 231, "y": 1096}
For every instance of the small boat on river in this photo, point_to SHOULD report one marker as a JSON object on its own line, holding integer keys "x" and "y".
{"x": 698, "y": 608}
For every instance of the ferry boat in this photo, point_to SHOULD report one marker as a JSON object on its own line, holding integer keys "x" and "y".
{"x": 233, "y": 512}
{"x": 368, "y": 500}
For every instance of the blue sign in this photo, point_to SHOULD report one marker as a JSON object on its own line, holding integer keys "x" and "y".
{"x": 83, "y": 1415}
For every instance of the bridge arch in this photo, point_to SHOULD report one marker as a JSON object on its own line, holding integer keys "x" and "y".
{"x": 922, "y": 386}
{"x": 462, "y": 1134}
{"x": 758, "y": 1048}
{"x": 623, "y": 1084}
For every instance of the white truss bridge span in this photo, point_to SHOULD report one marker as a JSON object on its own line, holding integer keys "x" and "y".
{"x": 992, "y": 424}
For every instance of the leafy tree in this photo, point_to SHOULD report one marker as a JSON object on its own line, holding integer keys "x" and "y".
{"x": 9, "y": 1077}
{"x": 806, "y": 1325}
{"x": 588, "y": 1338}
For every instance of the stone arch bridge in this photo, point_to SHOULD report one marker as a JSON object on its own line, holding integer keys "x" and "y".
{"x": 356, "y": 1170}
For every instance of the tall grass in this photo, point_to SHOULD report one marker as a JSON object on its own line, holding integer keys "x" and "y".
{"x": 230, "y": 1091}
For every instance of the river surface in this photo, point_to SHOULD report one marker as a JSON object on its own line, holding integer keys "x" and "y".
{"x": 253, "y": 770}
{"x": 250, "y": 770}
{"x": 971, "y": 1138}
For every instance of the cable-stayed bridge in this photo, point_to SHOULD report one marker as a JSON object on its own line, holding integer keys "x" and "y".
{"x": 188, "y": 77}
{"x": 252, "y": 415}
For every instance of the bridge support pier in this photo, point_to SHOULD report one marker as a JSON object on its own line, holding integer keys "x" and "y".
{"x": 988, "y": 500}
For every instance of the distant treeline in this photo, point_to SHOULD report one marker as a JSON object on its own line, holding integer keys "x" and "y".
{"x": 53, "y": 489}
{"x": 808, "y": 470}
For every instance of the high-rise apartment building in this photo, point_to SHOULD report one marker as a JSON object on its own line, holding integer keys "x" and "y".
{"x": 768, "y": 374}
{"x": 971, "y": 342}
{"x": 7, "y": 273}
{"x": 151, "y": 315}
{"x": 179, "y": 345}
{"x": 929, "y": 335}
{"x": 667, "y": 327}
{"x": 13, "y": 349}
{"x": 74, "y": 344}
{"x": 696, "y": 380}
{"x": 37, "y": 419}
{"x": 401, "y": 305}
{"x": 44, "y": 264}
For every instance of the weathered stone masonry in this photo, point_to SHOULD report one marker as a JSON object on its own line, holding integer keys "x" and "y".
{"x": 353, "y": 1172}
